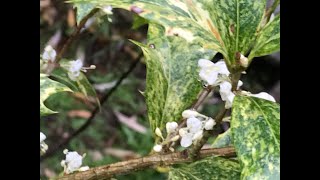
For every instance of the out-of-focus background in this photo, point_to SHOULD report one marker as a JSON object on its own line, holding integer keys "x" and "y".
{"x": 121, "y": 130}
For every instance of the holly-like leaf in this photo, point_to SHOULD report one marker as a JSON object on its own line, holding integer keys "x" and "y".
{"x": 213, "y": 168}
{"x": 47, "y": 88}
{"x": 268, "y": 40}
{"x": 172, "y": 83}
{"x": 255, "y": 129}
{"x": 223, "y": 140}
{"x": 83, "y": 9}
{"x": 226, "y": 26}
{"x": 82, "y": 85}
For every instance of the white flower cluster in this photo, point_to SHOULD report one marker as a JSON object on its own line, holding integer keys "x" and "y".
{"x": 43, "y": 145}
{"x": 196, "y": 123}
{"x": 215, "y": 74}
{"x": 171, "y": 128}
{"x": 74, "y": 68}
{"x": 49, "y": 54}
{"x": 73, "y": 162}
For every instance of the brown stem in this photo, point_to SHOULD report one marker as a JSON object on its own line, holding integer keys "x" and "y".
{"x": 108, "y": 171}
{"x": 74, "y": 34}
{"x": 271, "y": 9}
{"x": 194, "y": 151}
{"x": 104, "y": 99}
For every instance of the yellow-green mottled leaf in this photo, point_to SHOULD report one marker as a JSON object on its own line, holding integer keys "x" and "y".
{"x": 268, "y": 40}
{"x": 237, "y": 21}
{"x": 188, "y": 19}
{"x": 211, "y": 168}
{"x": 138, "y": 21}
{"x": 82, "y": 85}
{"x": 47, "y": 88}
{"x": 83, "y": 9}
{"x": 223, "y": 140}
{"x": 255, "y": 129}
{"x": 172, "y": 83}
{"x": 226, "y": 26}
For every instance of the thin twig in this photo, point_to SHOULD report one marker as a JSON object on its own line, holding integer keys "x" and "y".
{"x": 75, "y": 33}
{"x": 271, "y": 9}
{"x": 124, "y": 167}
{"x": 104, "y": 99}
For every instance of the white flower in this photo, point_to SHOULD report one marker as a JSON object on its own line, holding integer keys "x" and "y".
{"x": 73, "y": 162}
{"x": 74, "y": 69}
{"x": 42, "y": 137}
{"x": 49, "y": 54}
{"x": 209, "y": 71}
{"x": 226, "y": 94}
{"x": 43, "y": 145}
{"x": 175, "y": 138}
{"x": 194, "y": 124}
{"x": 157, "y": 148}
{"x": 264, "y": 95}
{"x": 209, "y": 124}
{"x": 171, "y": 127}
{"x": 186, "y": 140}
{"x": 189, "y": 113}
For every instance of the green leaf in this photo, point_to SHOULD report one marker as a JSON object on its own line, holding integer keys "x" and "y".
{"x": 255, "y": 127}
{"x": 237, "y": 22}
{"x": 138, "y": 21}
{"x": 47, "y": 88}
{"x": 213, "y": 168}
{"x": 82, "y": 85}
{"x": 83, "y": 9}
{"x": 223, "y": 140}
{"x": 226, "y": 26}
{"x": 187, "y": 18}
{"x": 172, "y": 83}
{"x": 268, "y": 40}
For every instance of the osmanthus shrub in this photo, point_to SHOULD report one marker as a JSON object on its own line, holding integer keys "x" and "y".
{"x": 183, "y": 38}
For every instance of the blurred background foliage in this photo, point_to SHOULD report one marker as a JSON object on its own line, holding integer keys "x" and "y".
{"x": 121, "y": 130}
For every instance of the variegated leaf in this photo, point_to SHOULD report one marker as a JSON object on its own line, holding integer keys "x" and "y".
{"x": 83, "y": 9}
{"x": 223, "y": 140}
{"x": 82, "y": 85}
{"x": 47, "y": 88}
{"x": 226, "y": 26}
{"x": 172, "y": 77}
{"x": 255, "y": 128}
{"x": 237, "y": 21}
{"x": 268, "y": 40}
{"x": 211, "y": 168}
{"x": 185, "y": 18}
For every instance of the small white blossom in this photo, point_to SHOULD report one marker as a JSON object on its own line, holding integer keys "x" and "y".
{"x": 186, "y": 140}
{"x": 171, "y": 127}
{"x": 43, "y": 145}
{"x": 226, "y": 94}
{"x": 157, "y": 148}
{"x": 209, "y": 124}
{"x": 74, "y": 69}
{"x": 264, "y": 95}
{"x": 209, "y": 71}
{"x": 194, "y": 124}
{"x": 189, "y": 113}
{"x": 73, "y": 162}
{"x": 49, "y": 54}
